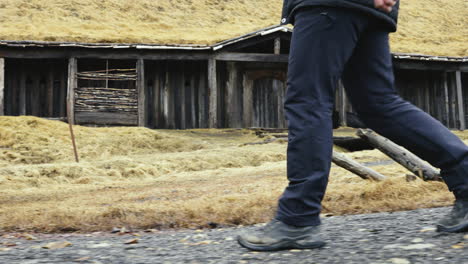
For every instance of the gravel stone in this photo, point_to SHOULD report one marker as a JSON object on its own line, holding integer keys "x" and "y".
{"x": 382, "y": 238}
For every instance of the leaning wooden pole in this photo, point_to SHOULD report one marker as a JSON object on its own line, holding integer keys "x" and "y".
{"x": 72, "y": 83}
{"x": 72, "y": 134}
{"x": 399, "y": 154}
{"x": 353, "y": 166}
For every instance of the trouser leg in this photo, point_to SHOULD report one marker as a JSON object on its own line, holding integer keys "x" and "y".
{"x": 322, "y": 41}
{"x": 369, "y": 83}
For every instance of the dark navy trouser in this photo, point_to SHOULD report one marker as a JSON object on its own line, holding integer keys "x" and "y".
{"x": 329, "y": 43}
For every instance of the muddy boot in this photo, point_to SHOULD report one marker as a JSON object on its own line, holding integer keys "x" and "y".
{"x": 278, "y": 236}
{"x": 457, "y": 220}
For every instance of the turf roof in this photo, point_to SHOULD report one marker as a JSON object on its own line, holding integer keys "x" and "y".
{"x": 431, "y": 27}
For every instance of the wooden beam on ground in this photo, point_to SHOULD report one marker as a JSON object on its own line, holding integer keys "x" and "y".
{"x": 140, "y": 84}
{"x": 251, "y": 57}
{"x": 397, "y": 153}
{"x": 247, "y": 117}
{"x": 72, "y": 85}
{"x": 213, "y": 94}
{"x": 353, "y": 166}
{"x": 461, "y": 109}
{"x": 2, "y": 86}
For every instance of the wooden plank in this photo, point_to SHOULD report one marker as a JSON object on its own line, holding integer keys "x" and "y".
{"x": 140, "y": 84}
{"x": 202, "y": 123}
{"x": 247, "y": 101}
{"x": 2, "y": 86}
{"x": 277, "y": 46}
{"x": 213, "y": 94}
{"x": 34, "y": 95}
{"x": 156, "y": 99}
{"x": 106, "y": 118}
{"x": 72, "y": 85}
{"x": 461, "y": 109}
{"x": 50, "y": 92}
{"x": 182, "y": 98}
{"x": 193, "y": 102}
{"x": 252, "y": 57}
{"x": 232, "y": 109}
{"x": 62, "y": 95}
{"x": 83, "y": 53}
{"x": 22, "y": 91}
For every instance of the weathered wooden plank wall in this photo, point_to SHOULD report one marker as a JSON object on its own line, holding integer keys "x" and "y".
{"x": 35, "y": 87}
{"x": 177, "y": 94}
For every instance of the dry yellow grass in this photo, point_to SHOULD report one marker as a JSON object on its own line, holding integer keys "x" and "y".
{"x": 435, "y": 27}
{"x": 143, "y": 178}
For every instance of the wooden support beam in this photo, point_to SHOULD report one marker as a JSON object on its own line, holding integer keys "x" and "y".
{"x": 140, "y": 84}
{"x": 252, "y": 57}
{"x": 277, "y": 46}
{"x": 407, "y": 159}
{"x": 247, "y": 101}
{"x": 353, "y": 166}
{"x": 2, "y": 86}
{"x": 213, "y": 94}
{"x": 72, "y": 85}
{"x": 461, "y": 108}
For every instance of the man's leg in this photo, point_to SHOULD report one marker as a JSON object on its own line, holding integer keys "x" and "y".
{"x": 369, "y": 82}
{"x": 322, "y": 42}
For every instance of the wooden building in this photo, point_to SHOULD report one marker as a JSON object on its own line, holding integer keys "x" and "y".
{"x": 239, "y": 82}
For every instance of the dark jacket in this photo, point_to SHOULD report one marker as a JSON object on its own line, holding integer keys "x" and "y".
{"x": 388, "y": 19}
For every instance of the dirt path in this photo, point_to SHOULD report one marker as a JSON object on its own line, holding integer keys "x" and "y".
{"x": 402, "y": 237}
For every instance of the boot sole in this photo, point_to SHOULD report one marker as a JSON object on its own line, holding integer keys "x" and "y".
{"x": 454, "y": 229}
{"x": 282, "y": 245}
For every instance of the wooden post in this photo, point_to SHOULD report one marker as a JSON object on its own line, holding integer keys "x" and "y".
{"x": 213, "y": 94}
{"x": 72, "y": 85}
{"x": 247, "y": 101}
{"x": 232, "y": 107}
{"x": 277, "y": 46}
{"x": 461, "y": 110}
{"x": 140, "y": 67}
{"x": 2, "y": 86}
{"x": 353, "y": 166}
{"x": 397, "y": 153}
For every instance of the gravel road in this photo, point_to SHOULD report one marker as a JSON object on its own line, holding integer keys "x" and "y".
{"x": 399, "y": 238}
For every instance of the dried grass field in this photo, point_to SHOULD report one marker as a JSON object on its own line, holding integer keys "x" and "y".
{"x": 142, "y": 178}
{"x": 432, "y": 27}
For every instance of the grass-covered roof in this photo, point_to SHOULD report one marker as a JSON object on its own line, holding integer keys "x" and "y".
{"x": 432, "y": 27}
